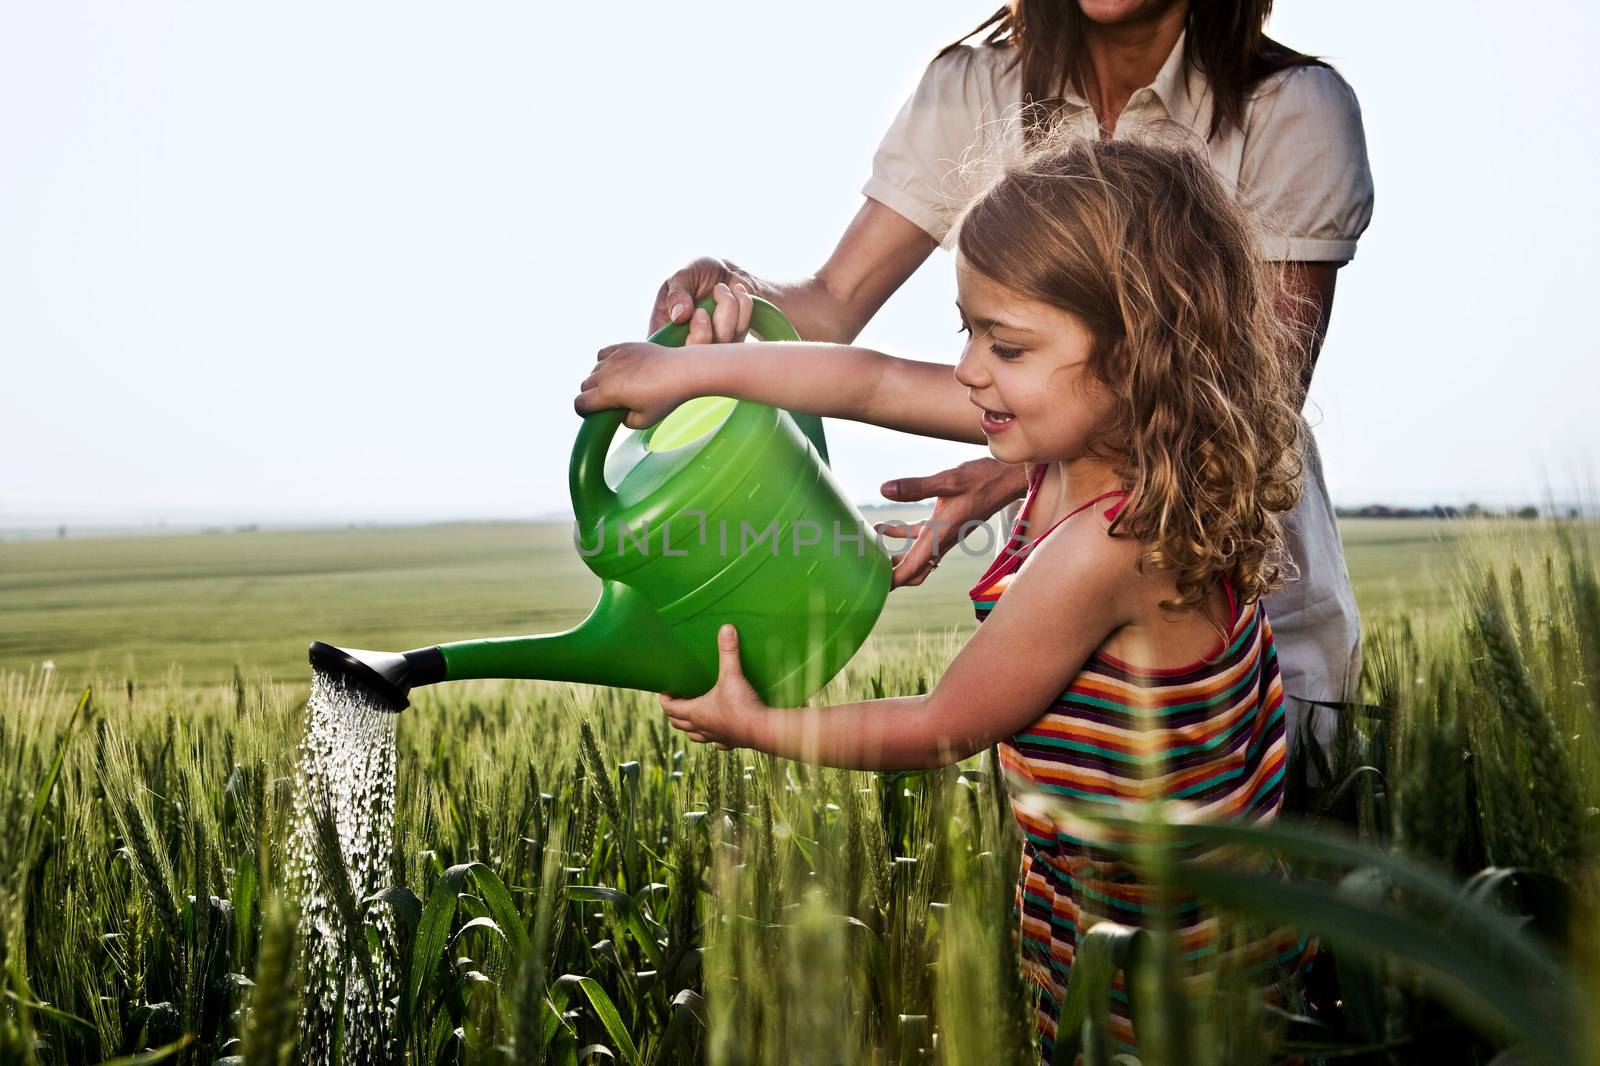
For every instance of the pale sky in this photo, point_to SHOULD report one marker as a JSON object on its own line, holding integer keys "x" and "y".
{"x": 346, "y": 262}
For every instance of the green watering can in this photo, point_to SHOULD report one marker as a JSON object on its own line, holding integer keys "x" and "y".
{"x": 724, "y": 511}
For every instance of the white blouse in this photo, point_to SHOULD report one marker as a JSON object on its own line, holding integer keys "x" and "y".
{"x": 1300, "y": 159}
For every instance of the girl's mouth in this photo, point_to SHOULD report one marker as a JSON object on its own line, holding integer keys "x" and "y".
{"x": 997, "y": 421}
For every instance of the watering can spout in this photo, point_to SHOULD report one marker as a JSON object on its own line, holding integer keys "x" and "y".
{"x": 382, "y": 677}
{"x": 622, "y": 643}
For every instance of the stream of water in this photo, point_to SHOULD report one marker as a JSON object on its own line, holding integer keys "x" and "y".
{"x": 346, "y": 766}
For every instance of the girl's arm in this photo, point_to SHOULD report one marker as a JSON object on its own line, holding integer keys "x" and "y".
{"x": 831, "y": 380}
{"x": 1025, "y": 653}
{"x": 842, "y": 381}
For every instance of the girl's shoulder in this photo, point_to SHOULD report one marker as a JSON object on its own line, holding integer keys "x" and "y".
{"x": 1118, "y": 560}
{"x": 1086, "y": 541}
{"x": 1128, "y": 599}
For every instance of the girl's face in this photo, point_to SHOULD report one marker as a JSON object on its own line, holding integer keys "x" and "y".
{"x": 1026, "y": 366}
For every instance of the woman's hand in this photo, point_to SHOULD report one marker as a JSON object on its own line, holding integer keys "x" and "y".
{"x": 676, "y": 299}
{"x": 726, "y": 715}
{"x": 971, "y": 492}
{"x": 729, "y": 323}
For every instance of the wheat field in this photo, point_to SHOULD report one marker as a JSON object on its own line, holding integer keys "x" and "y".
{"x": 571, "y": 882}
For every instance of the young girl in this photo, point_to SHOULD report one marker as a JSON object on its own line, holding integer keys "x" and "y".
{"x": 1125, "y": 344}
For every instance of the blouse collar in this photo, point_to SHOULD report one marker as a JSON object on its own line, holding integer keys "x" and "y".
{"x": 1179, "y": 85}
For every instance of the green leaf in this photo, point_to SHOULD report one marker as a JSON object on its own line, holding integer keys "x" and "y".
{"x": 477, "y": 923}
{"x": 552, "y": 1021}
{"x": 1360, "y": 978}
{"x": 243, "y": 893}
{"x": 42, "y": 798}
{"x": 566, "y": 1050}
{"x": 403, "y": 902}
{"x": 688, "y": 1009}
{"x": 1487, "y": 925}
{"x": 1459, "y": 973}
{"x": 1483, "y": 965}
{"x": 147, "y": 1058}
{"x": 632, "y": 918}
{"x": 433, "y": 930}
{"x": 1085, "y": 1019}
{"x": 54, "y": 1013}
{"x": 500, "y": 904}
{"x": 1485, "y": 885}
{"x": 606, "y": 1011}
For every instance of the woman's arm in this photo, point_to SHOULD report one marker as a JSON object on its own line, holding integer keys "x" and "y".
{"x": 1031, "y": 646}
{"x": 877, "y": 253}
{"x": 1309, "y": 305}
{"x": 1305, "y": 171}
{"x": 831, "y": 380}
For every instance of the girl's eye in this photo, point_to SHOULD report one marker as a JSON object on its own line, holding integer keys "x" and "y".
{"x": 1004, "y": 353}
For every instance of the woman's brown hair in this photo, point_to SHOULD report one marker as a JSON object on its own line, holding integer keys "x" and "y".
{"x": 1226, "y": 39}
{"x": 1147, "y": 247}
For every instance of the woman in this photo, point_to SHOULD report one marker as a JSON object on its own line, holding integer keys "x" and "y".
{"x": 1282, "y": 129}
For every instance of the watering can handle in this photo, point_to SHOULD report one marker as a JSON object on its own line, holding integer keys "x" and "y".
{"x": 586, "y": 477}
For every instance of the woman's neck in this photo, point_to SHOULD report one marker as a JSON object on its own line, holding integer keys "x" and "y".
{"x": 1122, "y": 58}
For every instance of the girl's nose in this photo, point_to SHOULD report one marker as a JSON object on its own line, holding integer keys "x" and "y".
{"x": 969, "y": 371}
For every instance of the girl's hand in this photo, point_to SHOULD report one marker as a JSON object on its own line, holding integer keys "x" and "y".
{"x": 726, "y": 715}
{"x": 651, "y": 379}
{"x": 647, "y": 379}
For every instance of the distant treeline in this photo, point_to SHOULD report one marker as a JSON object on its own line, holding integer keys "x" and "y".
{"x": 1471, "y": 510}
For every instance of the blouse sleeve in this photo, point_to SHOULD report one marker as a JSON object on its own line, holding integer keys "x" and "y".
{"x": 917, "y": 170}
{"x": 1304, "y": 167}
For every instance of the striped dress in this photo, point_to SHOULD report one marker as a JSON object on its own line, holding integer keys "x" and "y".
{"x": 1219, "y": 746}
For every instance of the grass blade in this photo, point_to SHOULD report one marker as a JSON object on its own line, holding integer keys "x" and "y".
{"x": 155, "y": 1055}
{"x": 632, "y": 919}
{"x": 495, "y": 896}
{"x": 48, "y": 785}
{"x": 433, "y": 930}
{"x": 1481, "y": 990}
{"x": 606, "y": 1011}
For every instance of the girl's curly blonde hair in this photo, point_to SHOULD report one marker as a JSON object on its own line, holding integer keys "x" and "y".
{"x": 1146, "y": 245}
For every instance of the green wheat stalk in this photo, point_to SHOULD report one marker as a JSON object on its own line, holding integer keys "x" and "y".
{"x": 272, "y": 1031}
{"x": 603, "y": 785}
{"x": 1553, "y": 785}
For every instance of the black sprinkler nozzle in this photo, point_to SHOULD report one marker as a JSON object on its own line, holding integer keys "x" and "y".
{"x": 383, "y": 677}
